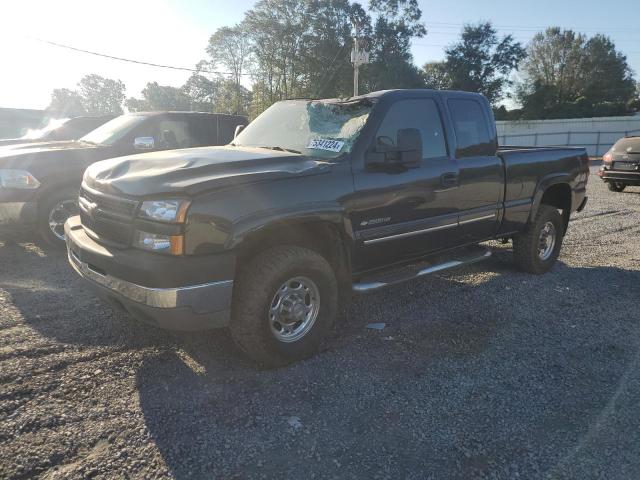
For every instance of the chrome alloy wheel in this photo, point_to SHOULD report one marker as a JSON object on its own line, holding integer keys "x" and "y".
{"x": 547, "y": 241}
{"x": 59, "y": 214}
{"x": 294, "y": 309}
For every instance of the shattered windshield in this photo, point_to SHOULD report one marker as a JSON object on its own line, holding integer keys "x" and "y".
{"x": 318, "y": 128}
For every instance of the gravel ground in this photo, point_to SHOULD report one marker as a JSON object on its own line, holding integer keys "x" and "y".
{"x": 480, "y": 373}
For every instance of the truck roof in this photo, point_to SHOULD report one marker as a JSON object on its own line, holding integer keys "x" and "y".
{"x": 178, "y": 112}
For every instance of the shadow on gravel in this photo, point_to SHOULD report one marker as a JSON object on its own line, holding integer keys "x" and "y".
{"x": 516, "y": 375}
{"x": 484, "y": 371}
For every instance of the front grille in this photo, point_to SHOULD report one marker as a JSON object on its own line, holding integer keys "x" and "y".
{"x": 107, "y": 218}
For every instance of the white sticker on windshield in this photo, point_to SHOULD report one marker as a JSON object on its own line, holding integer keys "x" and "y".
{"x": 324, "y": 144}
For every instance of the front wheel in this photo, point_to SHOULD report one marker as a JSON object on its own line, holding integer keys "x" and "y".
{"x": 284, "y": 306}
{"x": 537, "y": 248}
{"x": 54, "y": 210}
{"x": 616, "y": 186}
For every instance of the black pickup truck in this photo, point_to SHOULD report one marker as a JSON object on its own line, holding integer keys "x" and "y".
{"x": 39, "y": 182}
{"x": 314, "y": 199}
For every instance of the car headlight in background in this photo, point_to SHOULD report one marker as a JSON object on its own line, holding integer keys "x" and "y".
{"x": 173, "y": 211}
{"x": 18, "y": 179}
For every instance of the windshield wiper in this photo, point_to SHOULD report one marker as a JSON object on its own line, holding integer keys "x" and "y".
{"x": 282, "y": 149}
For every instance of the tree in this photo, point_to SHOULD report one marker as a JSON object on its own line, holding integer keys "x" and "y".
{"x": 229, "y": 47}
{"x": 101, "y": 95}
{"x": 568, "y": 75}
{"x": 396, "y": 23}
{"x": 482, "y": 63}
{"x": 159, "y": 97}
{"x": 555, "y": 62}
{"x": 609, "y": 78}
{"x": 202, "y": 92}
{"x": 436, "y": 75}
{"x": 66, "y": 103}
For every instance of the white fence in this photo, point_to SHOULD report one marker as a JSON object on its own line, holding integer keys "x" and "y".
{"x": 597, "y": 135}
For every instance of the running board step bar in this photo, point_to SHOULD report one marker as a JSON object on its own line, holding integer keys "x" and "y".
{"x": 404, "y": 274}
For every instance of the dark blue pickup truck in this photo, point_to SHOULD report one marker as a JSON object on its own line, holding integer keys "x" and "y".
{"x": 312, "y": 200}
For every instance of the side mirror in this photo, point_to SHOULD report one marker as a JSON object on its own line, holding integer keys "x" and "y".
{"x": 406, "y": 153}
{"x": 144, "y": 143}
{"x": 239, "y": 128}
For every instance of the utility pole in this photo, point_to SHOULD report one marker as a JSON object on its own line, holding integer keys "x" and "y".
{"x": 358, "y": 57}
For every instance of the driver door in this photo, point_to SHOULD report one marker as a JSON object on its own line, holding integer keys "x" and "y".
{"x": 404, "y": 213}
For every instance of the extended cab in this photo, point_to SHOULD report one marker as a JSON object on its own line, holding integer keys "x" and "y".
{"x": 39, "y": 182}
{"x": 312, "y": 200}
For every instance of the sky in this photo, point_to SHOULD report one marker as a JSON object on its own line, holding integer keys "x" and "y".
{"x": 176, "y": 32}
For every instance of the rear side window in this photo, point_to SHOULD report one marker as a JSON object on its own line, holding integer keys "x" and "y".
{"x": 422, "y": 114}
{"x": 203, "y": 130}
{"x": 472, "y": 131}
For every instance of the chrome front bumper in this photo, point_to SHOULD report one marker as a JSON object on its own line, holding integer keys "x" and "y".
{"x": 194, "y": 307}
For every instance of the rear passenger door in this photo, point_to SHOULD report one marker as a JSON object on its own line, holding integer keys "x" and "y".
{"x": 481, "y": 178}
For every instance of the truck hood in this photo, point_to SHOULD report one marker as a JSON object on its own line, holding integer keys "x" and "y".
{"x": 44, "y": 147}
{"x": 195, "y": 170}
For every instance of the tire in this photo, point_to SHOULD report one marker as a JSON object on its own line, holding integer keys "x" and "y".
{"x": 257, "y": 295}
{"x": 616, "y": 186}
{"x": 528, "y": 251}
{"x": 56, "y": 206}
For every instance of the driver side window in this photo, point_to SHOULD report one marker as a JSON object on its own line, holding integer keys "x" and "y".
{"x": 421, "y": 114}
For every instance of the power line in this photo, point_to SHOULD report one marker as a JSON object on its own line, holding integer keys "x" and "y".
{"x": 129, "y": 60}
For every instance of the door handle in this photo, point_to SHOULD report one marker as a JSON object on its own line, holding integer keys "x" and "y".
{"x": 449, "y": 180}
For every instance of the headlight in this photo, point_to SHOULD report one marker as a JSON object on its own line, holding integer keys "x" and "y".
{"x": 173, "y": 211}
{"x": 154, "y": 242}
{"x": 18, "y": 179}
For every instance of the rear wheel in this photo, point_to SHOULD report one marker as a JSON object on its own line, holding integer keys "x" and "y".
{"x": 285, "y": 303}
{"x": 537, "y": 248}
{"x": 616, "y": 186}
{"x": 54, "y": 210}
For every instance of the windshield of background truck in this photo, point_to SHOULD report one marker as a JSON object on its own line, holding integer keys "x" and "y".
{"x": 316, "y": 128}
{"x": 113, "y": 130}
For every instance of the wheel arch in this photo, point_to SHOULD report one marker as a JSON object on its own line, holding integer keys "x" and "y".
{"x": 555, "y": 191}
{"x": 327, "y": 237}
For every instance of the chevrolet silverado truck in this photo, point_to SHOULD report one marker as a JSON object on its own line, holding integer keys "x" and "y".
{"x": 313, "y": 200}
{"x": 621, "y": 164}
{"x": 39, "y": 182}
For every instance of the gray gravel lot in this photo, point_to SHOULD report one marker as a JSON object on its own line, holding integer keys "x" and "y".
{"x": 480, "y": 373}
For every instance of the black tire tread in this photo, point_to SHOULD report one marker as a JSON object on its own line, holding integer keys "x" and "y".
{"x": 44, "y": 206}
{"x": 523, "y": 243}
{"x": 253, "y": 283}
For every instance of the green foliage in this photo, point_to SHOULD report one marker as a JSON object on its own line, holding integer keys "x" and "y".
{"x": 567, "y": 75}
{"x": 159, "y": 97}
{"x": 480, "y": 62}
{"x": 396, "y": 23}
{"x": 436, "y": 75}
{"x": 229, "y": 48}
{"x": 101, "y": 95}
{"x": 96, "y": 95}
{"x": 66, "y": 103}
